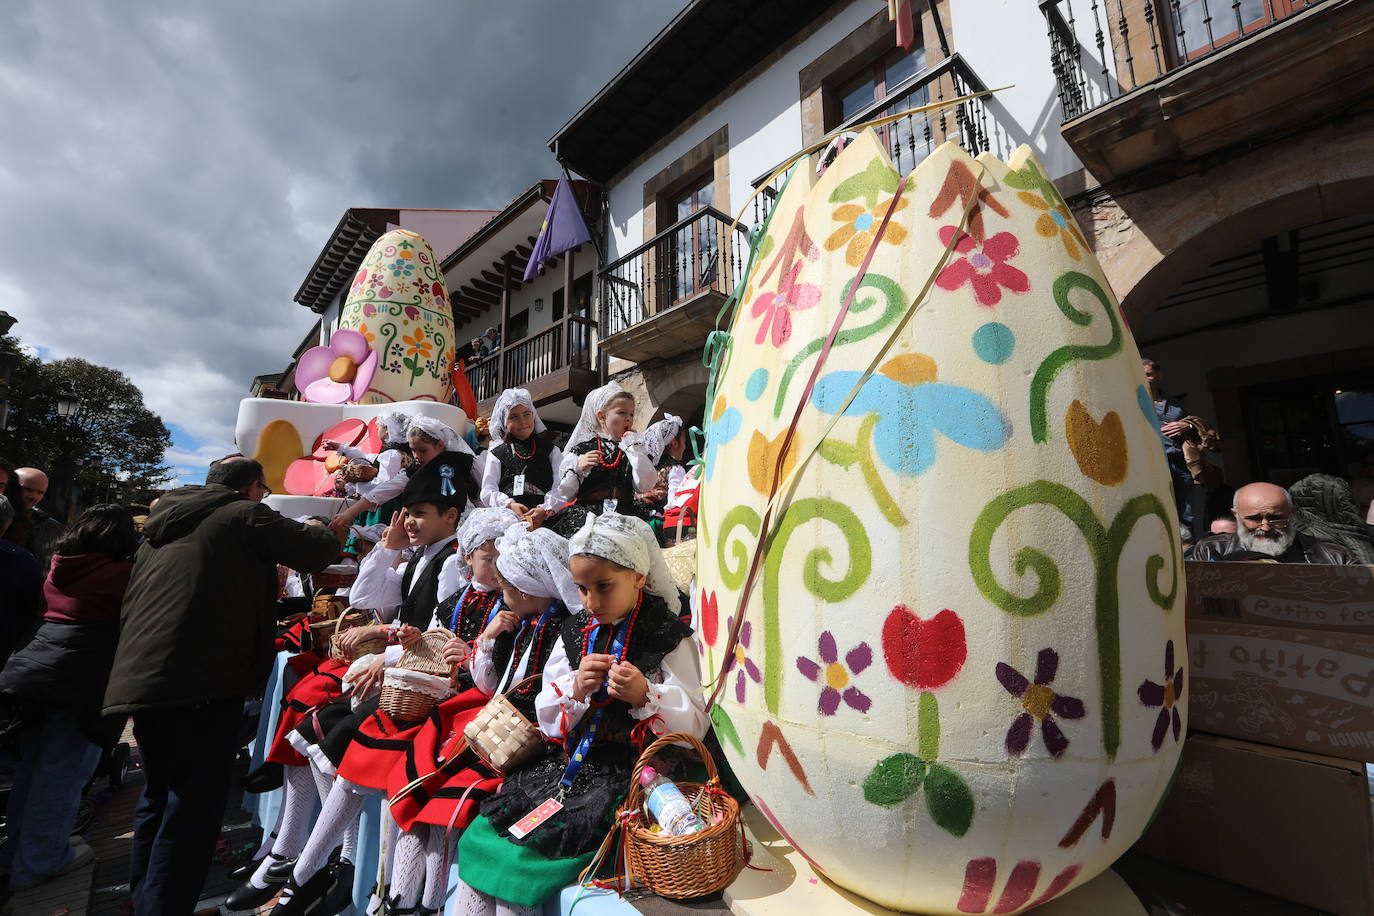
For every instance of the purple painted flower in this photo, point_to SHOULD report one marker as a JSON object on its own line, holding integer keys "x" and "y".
{"x": 369, "y": 310}
{"x": 834, "y": 676}
{"x": 741, "y": 658}
{"x": 385, "y": 292}
{"x": 1166, "y": 697}
{"x": 1038, "y": 702}
{"x": 412, "y": 312}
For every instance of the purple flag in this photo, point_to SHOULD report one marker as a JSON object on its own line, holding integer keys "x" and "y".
{"x": 563, "y": 229}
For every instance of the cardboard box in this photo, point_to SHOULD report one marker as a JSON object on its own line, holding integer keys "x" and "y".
{"x": 1290, "y": 824}
{"x": 1301, "y": 689}
{"x": 1334, "y": 598}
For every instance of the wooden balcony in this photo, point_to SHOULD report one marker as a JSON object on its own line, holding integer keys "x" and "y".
{"x": 553, "y": 363}
{"x": 1146, "y": 82}
{"x": 661, "y": 300}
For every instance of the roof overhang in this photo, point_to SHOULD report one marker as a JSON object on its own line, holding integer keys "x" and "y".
{"x": 706, "y": 47}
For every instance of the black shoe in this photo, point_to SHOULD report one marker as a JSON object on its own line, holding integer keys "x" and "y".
{"x": 340, "y": 894}
{"x": 265, "y": 778}
{"x": 281, "y": 870}
{"x": 305, "y": 897}
{"x": 248, "y": 897}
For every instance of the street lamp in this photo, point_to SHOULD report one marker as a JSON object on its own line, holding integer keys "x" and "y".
{"x": 67, "y": 404}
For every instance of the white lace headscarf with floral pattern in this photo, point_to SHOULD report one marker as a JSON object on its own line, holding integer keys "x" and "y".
{"x": 588, "y": 426}
{"x": 439, "y": 432}
{"x": 508, "y": 399}
{"x": 629, "y": 542}
{"x": 536, "y": 562}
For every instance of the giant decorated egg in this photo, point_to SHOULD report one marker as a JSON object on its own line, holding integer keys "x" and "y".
{"x": 399, "y": 304}
{"x": 939, "y": 559}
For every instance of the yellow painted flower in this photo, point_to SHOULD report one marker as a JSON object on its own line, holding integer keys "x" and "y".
{"x": 1056, "y": 220}
{"x": 860, "y": 224}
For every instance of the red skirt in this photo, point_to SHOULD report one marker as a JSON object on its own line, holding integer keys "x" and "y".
{"x": 440, "y": 795}
{"x": 379, "y": 744}
{"x": 322, "y": 686}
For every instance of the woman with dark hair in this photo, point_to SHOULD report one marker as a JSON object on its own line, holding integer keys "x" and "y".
{"x": 51, "y": 691}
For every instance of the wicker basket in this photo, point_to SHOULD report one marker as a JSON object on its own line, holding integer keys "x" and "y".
{"x": 426, "y": 657}
{"x": 359, "y": 473}
{"x": 401, "y": 701}
{"x": 348, "y": 621}
{"x": 692, "y": 865}
{"x": 334, "y": 577}
{"x": 502, "y": 736}
{"x": 327, "y": 607}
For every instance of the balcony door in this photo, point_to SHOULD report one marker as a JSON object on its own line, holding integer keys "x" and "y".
{"x": 693, "y": 249}
{"x": 1205, "y": 25}
{"x": 908, "y": 140}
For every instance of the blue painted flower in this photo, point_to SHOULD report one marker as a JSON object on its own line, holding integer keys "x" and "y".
{"x": 725, "y": 425}
{"x": 911, "y": 407}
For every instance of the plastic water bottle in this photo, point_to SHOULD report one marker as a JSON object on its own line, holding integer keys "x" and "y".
{"x": 667, "y": 805}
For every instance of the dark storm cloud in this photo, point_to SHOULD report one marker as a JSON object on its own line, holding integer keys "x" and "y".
{"x": 170, "y": 170}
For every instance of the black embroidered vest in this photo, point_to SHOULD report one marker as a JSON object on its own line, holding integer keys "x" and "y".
{"x": 515, "y": 643}
{"x": 421, "y": 592}
{"x": 537, "y": 468}
{"x": 602, "y": 482}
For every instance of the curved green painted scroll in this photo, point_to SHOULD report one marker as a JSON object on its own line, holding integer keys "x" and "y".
{"x": 1105, "y": 544}
{"x": 1065, "y": 356}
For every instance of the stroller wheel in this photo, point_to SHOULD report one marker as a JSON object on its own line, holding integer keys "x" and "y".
{"x": 118, "y": 766}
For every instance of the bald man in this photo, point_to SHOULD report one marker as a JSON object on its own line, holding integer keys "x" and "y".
{"x": 46, "y": 529}
{"x": 1264, "y": 512}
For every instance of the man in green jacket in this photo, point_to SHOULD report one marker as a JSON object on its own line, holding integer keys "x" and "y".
{"x": 196, "y": 639}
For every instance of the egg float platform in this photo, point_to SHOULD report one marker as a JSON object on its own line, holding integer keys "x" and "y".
{"x": 939, "y": 563}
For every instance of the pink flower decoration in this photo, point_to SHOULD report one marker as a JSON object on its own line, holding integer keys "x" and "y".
{"x": 412, "y": 312}
{"x": 985, "y": 266}
{"x": 369, "y": 310}
{"x": 358, "y": 280}
{"x": 385, "y": 292}
{"x": 776, "y": 308}
{"x": 339, "y": 372}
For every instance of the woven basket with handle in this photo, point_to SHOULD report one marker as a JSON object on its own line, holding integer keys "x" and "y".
{"x": 502, "y": 736}
{"x": 347, "y": 621}
{"x": 694, "y": 864}
{"x": 427, "y": 657}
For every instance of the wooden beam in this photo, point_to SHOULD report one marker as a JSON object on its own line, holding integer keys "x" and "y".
{"x": 470, "y": 306}
{"x": 461, "y": 306}
{"x": 487, "y": 299}
{"x": 495, "y": 278}
{"x": 486, "y": 286}
{"x": 524, "y": 251}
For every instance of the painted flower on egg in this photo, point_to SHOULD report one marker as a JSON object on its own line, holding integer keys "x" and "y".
{"x": 339, "y": 372}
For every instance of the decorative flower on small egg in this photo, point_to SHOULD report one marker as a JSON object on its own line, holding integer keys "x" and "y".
{"x": 912, "y": 406}
{"x": 1166, "y": 696}
{"x": 740, "y": 658}
{"x": 776, "y": 308}
{"x": 416, "y": 344}
{"x": 835, "y": 676}
{"x": 1038, "y": 704}
{"x": 339, "y": 372}
{"x": 982, "y": 265}
{"x": 402, "y": 266}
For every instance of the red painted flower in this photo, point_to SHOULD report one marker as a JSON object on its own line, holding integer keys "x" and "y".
{"x": 709, "y": 612}
{"x": 924, "y": 654}
{"x": 985, "y": 266}
{"x": 776, "y": 308}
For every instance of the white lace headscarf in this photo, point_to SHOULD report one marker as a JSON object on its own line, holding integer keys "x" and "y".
{"x": 588, "y": 427}
{"x": 629, "y": 542}
{"x": 536, "y": 562}
{"x": 439, "y": 431}
{"x": 397, "y": 422}
{"x": 656, "y": 438}
{"x": 508, "y": 399}
{"x": 476, "y": 528}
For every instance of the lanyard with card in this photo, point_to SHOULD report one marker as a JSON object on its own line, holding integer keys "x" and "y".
{"x": 518, "y": 489}
{"x": 599, "y": 700}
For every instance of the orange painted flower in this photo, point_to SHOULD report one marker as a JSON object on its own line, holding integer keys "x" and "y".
{"x": 417, "y": 345}
{"x": 860, "y": 225}
{"x": 1056, "y": 220}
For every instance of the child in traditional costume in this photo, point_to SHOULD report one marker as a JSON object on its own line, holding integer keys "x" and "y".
{"x": 432, "y": 504}
{"x": 437, "y": 788}
{"x": 378, "y": 498}
{"x": 523, "y": 462}
{"x": 624, "y": 669}
{"x": 600, "y": 474}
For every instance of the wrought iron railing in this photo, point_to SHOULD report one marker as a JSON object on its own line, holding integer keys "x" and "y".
{"x": 566, "y": 344}
{"x": 694, "y": 255}
{"x": 915, "y": 136}
{"x": 1101, "y": 49}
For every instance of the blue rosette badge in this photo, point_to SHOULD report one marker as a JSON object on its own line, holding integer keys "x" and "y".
{"x": 447, "y": 488}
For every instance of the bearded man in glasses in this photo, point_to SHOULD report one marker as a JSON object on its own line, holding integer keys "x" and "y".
{"x": 1267, "y": 531}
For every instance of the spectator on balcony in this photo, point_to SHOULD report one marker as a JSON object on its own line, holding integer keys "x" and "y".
{"x": 493, "y": 338}
{"x": 524, "y": 460}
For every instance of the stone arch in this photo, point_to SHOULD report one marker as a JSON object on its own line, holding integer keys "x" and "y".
{"x": 1150, "y": 236}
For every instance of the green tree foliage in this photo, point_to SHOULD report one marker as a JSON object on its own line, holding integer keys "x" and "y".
{"x": 113, "y": 446}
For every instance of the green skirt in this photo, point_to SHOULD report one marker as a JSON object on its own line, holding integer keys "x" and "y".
{"x": 382, "y": 514}
{"x": 490, "y": 863}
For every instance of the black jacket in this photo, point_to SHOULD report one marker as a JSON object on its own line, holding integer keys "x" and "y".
{"x": 65, "y": 666}
{"x": 198, "y": 618}
{"x": 1305, "y": 549}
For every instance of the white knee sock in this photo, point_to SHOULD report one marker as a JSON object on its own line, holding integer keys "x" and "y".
{"x": 294, "y": 826}
{"x": 506, "y": 908}
{"x": 350, "y": 842}
{"x": 341, "y": 810}
{"x": 437, "y": 862}
{"x": 408, "y": 866}
{"x": 472, "y": 902}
